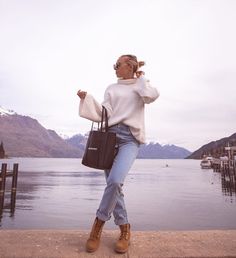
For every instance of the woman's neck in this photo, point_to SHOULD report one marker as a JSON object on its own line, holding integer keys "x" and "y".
{"x": 127, "y": 81}
{"x": 127, "y": 77}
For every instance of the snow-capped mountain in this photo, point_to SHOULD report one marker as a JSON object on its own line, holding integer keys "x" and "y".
{"x": 24, "y": 136}
{"x": 6, "y": 112}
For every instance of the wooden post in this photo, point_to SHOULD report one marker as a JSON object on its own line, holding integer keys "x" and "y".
{"x": 13, "y": 186}
{"x": 2, "y": 185}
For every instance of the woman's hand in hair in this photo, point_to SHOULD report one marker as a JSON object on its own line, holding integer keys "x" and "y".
{"x": 139, "y": 73}
{"x": 81, "y": 94}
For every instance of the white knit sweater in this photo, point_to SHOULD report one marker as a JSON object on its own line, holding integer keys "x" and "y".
{"x": 124, "y": 102}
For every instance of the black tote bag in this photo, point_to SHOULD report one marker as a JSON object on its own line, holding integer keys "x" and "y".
{"x": 101, "y": 146}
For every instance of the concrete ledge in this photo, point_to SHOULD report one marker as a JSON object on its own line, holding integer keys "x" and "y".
{"x": 145, "y": 244}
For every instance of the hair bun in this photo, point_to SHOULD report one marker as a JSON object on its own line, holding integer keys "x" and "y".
{"x": 141, "y": 63}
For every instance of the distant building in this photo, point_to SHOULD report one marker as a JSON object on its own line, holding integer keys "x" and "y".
{"x": 2, "y": 152}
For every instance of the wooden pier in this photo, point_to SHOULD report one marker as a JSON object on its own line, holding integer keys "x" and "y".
{"x": 5, "y": 173}
{"x": 226, "y": 165}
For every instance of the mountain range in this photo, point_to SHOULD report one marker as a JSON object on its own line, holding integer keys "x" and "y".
{"x": 146, "y": 151}
{"x": 24, "y": 136}
{"x": 214, "y": 148}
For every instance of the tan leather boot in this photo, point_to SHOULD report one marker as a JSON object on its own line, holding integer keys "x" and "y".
{"x": 123, "y": 242}
{"x": 95, "y": 235}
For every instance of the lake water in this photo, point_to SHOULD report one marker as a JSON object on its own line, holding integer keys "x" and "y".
{"x": 63, "y": 194}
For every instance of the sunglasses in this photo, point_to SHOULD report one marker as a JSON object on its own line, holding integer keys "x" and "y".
{"x": 117, "y": 65}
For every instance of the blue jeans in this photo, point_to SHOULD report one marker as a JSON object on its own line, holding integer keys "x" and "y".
{"x": 113, "y": 197}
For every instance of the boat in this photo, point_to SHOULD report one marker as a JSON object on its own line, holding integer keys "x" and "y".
{"x": 206, "y": 162}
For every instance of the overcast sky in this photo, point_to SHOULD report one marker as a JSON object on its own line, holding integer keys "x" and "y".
{"x": 51, "y": 48}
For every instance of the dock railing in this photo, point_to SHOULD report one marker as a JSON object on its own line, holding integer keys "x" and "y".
{"x": 5, "y": 173}
{"x": 227, "y": 169}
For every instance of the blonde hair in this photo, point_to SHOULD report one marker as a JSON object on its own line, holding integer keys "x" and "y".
{"x": 133, "y": 61}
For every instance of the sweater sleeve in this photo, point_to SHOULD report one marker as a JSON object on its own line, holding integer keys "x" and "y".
{"x": 89, "y": 108}
{"x": 146, "y": 91}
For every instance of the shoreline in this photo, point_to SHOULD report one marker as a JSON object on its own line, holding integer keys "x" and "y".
{"x": 71, "y": 243}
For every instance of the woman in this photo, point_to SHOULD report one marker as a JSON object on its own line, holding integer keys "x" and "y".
{"x": 124, "y": 102}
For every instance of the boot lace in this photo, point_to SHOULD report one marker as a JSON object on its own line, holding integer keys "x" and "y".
{"x": 124, "y": 235}
{"x": 96, "y": 232}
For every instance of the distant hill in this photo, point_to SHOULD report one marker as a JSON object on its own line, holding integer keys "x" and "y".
{"x": 24, "y": 136}
{"x": 215, "y": 148}
{"x": 78, "y": 141}
{"x": 146, "y": 151}
{"x": 157, "y": 151}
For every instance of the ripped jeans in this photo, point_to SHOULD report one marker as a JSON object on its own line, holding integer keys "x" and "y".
{"x": 113, "y": 197}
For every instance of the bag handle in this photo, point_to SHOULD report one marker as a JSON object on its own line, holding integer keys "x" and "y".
{"x": 104, "y": 119}
{"x": 98, "y": 126}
